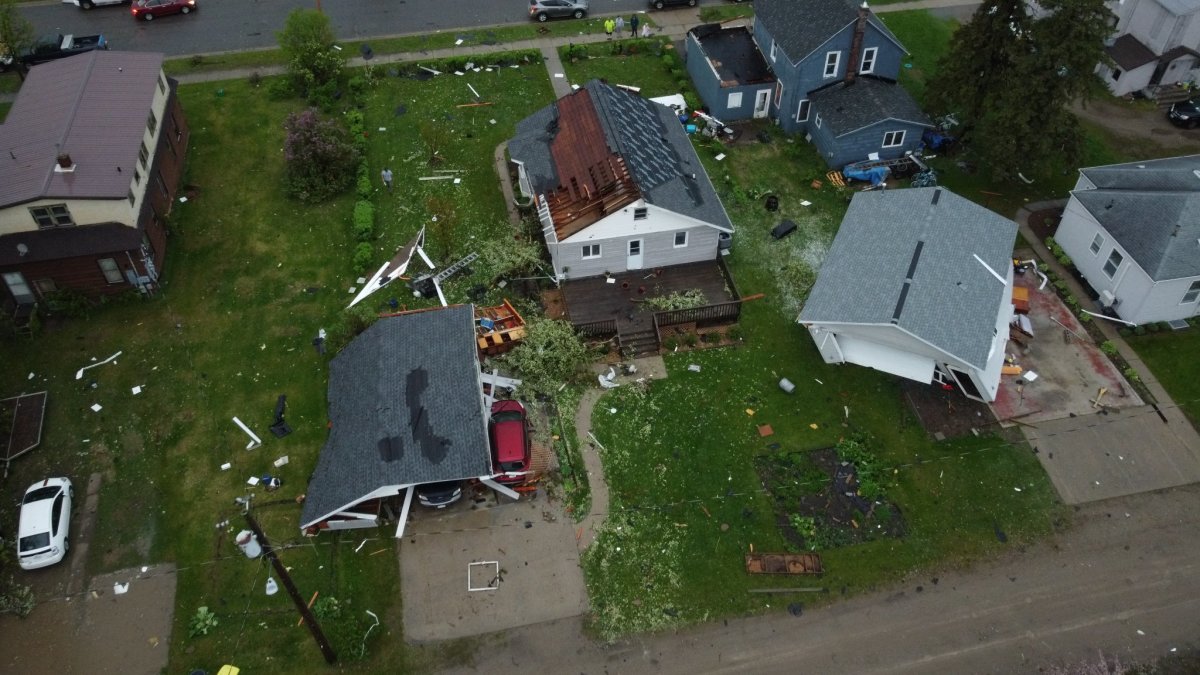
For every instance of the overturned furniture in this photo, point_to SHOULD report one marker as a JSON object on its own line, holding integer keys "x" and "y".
{"x": 499, "y": 328}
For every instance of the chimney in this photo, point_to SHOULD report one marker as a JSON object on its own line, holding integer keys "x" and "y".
{"x": 860, "y": 29}
{"x": 64, "y": 161}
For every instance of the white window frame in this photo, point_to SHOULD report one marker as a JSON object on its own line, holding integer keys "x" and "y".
{"x": 777, "y": 97}
{"x": 896, "y": 137}
{"x": 1115, "y": 265}
{"x": 773, "y": 50}
{"x": 833, "y": 60}
{"x": 1193, "y": 292}
{"x": 805, "y": 107}
{"x": 1097, "y": 243}
{"x": 867, "y": 65}
{"x": 734, "y": 100}
{"x": 590, "y": 252}
{"x": 817, "y": 120}
{"x": 110, "y": 272}
{"x": 684, "y": 234}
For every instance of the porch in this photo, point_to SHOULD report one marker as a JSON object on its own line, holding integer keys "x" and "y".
{"x": 617, "y": 304}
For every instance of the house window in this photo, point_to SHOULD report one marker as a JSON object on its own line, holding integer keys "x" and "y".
{"x": 734, "y": 101}
{"x": 1114, "y": 261}
{"x": 161, "y": 185}
{"x": 773, "y": 51}
{"x": 680, "y": 239}
{"x": 1193, "y": 292}
{"x": 152, "y": 123}
{"x": 45, "y": 286}
{"x": 143, "y": 154}
{"x": 1097, "y": 242}
{"x": 802, "y": 111}
{"x": 817, "y": 120}
{"x": 131, "y": 197}
{"x": 639, "y": 213}
{"x": 111, "y": 272}
{"x": 868, "y": 60}
{"x": 778, "y": 92}
{"x": 1116, "y": 74}
{"x": 162, "y": 84}
{"x": 56, "y": 215}
{"x": 137, "y": 177}
{"x": 832, "y": 59}
{"x": 591, "y": 251}
{"x": 893, "y": 139}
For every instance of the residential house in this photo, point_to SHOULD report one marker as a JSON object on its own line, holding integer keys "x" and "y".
{"x": 1156, "y": 42}
{"x": 917, "y": 283}
{"x": 94, "y": 147}
{"x": 622, "y": 197}
{"x": 833, "y": 70}
{"x": 1133, "y": 232}
{"x": 405, "y": 408}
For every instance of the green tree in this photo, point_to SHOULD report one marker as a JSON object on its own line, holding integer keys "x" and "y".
{"x": 321, "y": 160}
{"x": 1009, "y": 75}
{"x": 16, "y": 35}
{"x": 551, "y": 354}
{"x": 307, "y": 40}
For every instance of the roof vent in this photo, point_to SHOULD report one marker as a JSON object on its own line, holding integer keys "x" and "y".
{"x": 937, "y": 194}
{"x": 64, "y": 163}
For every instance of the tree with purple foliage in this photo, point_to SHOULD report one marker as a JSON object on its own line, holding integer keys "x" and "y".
{"x": 321, "y": 159}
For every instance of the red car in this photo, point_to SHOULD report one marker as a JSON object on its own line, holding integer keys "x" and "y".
{"x": 508, "y": 431}
{"x": 148, "y": 9}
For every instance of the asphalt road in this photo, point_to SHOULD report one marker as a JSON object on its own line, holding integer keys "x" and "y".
{"x": 228, "y": 25}
{"x": 1123, "y": 580}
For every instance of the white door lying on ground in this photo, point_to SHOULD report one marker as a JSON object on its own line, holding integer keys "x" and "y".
{"x": 19, "y": 289}
{"x": 635, "y": 255}
{"x": 762, "y": 98}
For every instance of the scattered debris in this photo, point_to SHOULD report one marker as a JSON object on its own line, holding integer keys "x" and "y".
{"x": 96, "y": 407}
{"x": 281, "y": 461}
{"x": 121, "y": 589}
{"x": 226, "y": 466}
{"x": 319, "y": 341}
{"x": 695, "y": 368}
{"x": 79, "y": 373}
{"x": 280, "y": 428}
{"x": 137, "y": 390}
{"x": 255, "y": 441}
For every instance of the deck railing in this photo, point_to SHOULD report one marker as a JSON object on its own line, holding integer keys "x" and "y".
{"x": 597, "y": 328}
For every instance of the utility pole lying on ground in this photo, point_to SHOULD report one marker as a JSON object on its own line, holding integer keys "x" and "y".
{"x": 309, "y": 619}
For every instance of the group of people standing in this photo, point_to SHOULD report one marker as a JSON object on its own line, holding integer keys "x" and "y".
{"x": 618, "y": 25}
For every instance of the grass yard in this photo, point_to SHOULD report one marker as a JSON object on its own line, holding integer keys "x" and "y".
{"x": 634, "y": 63}
{"x": 1169, "y": 355}
{"x": 250, "y": 277}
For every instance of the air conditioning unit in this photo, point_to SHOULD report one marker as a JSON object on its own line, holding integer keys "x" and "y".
{"x": 1108, "y": 299}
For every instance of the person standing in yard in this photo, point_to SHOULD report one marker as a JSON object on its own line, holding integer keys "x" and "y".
{"x": 633, "y": 24}
{"x": 620, "y": 26}
{"x": 609, "y": 25}
{"x": 645, "y": 30}
{"x": 386, "y": 174}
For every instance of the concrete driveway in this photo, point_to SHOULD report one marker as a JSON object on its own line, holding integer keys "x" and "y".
{"x": 532, "y": 544}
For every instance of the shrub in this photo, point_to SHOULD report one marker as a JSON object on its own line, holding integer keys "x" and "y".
{"x": 319, "y": 156}
{"x": 712, "y": 337}
{"x": 690, "y": 339}
{"x": 364, "y": 253}
{"x": 1139, "y": 330}
{"x": 202, "y": 622}
{"x": 671, "y": 344}
{"x": 364, "y": 187}
{"x": 668, "y": 60}
{"x": 307, "y": 41}
{"x": 1154, "y": 327}
{"x": 255, "y": 79}
{"x": 364, "y": 220}
{"x": 1131, "y": 374}
{"x": 280, "y": 88}
{"x": 551, "y": 354}
{"x": 736, "y": 333}
{"x": 1124, "y": 331}
{"x": 1108, "y": 347}
{"x": 1084, "y": 317}
{"x": 1065, "y": 260}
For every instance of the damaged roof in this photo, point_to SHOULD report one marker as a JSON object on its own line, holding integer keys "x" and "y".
{"x": 931, "y": 237}
{"x": 405, "y": 408}
{"x": 588, "y": 144}
{"x": 800, "y": 27}
{"x": 1152, "y": 209}
{"x": 848, "y": 107}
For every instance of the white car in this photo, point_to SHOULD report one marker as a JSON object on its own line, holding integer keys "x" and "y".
{"x": 45, "y": 522}
{"x": 88, "y": 4}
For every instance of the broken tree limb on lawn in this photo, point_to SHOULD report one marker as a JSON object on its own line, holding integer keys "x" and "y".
{"x": 474, "y": 105}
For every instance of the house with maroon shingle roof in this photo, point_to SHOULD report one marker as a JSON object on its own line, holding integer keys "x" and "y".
{"x": 91, "y": 156}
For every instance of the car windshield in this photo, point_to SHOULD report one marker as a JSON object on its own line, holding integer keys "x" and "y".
{"x": 40, "y": 494}
{"x": 35, "y": 542}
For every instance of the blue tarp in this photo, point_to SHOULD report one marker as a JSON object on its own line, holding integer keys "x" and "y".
{"x": 877, "y": 175}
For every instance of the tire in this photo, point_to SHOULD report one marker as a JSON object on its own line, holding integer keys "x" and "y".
{"x": 87, "y": 4}
{"x": 542, "y": 17}
{"x": 691, "y": 3}
{"x": 185, "y": 10}
{"x": 149, "y": 16}
{"x": 578, "y": 14}
{"x": 658, "y": 5}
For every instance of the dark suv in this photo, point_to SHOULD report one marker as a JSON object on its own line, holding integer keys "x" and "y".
{"x": 543, "y": 10}
{"x": 659, "y": 4}
{"x": 1185, "y": 113}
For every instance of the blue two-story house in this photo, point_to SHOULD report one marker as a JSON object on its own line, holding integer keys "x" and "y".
{"x": 824, "y": 68}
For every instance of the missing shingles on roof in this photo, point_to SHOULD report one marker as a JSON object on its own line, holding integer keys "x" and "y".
{"x": 391, "y": 448}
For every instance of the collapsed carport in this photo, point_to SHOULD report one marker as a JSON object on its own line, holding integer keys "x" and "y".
{"x": 405, "y": 409}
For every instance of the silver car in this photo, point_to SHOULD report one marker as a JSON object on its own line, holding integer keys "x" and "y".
{"x": 543, "y": 10}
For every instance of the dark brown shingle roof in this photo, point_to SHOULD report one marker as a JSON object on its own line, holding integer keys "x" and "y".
{"x": 93, "y": 107}
{"x": 1129, "y": 53}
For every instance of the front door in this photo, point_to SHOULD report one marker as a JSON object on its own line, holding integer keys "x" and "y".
{"x": 635, "y": 255}
{"x": 19, "y": 288}
{"x": 761, "y": 99}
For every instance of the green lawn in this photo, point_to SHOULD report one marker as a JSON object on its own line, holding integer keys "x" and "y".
{"x": 633, "y": 63}
{"x": 249, "y": 278}
{"x": 1168, "y": 355}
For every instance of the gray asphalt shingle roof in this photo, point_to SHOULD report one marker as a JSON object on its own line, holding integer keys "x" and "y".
{"x": 799, "y": 27}
{"x": 850, "y": 107}
{"x": 952, "y": 301}
{"x": 647, "y": 135}
{"x": 1152, "y": 209}
{"x": 406, "y": 408}
{"x": 91, "y": 106}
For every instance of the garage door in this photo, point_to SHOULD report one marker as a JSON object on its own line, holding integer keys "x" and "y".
{"x": 885, "y": 358}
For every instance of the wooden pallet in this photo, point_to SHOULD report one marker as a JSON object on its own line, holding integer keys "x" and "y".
{"x": 783, "y": 563}
{"x": 836, "y": 178}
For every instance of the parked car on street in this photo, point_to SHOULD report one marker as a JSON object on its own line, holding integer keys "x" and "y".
{"x": 44, "y": 523}
{"x": 439, "y": 495}
{"x": 89, "y": 4}
{"x": 58, "y": 46}
{"x": 543, "y": 10}
{"x": 659, "y": 4}
{"x": 1185, "y": 114}
{"x": 508, "y": 431}
{"x": 148, "y": 9}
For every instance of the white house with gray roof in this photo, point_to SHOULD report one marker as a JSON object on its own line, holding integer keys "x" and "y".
{"x": 918, "y": 283}
{"x": 1133, "y": 232}
{"x": 617, "y": 184}
{"x": 405, "y": 408}
{"x": 1155, "y": 42}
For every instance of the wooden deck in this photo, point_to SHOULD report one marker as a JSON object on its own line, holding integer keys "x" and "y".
{"x": 595, "y": 300}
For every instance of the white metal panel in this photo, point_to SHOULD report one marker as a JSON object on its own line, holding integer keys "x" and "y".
{"x": 885, "y": 358}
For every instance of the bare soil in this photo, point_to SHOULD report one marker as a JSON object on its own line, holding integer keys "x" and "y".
{"x": 943, "y": 413}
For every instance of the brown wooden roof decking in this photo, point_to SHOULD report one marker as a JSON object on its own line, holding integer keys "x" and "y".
{"x": 594, "y": 180}
{"x": 593, "y": 299}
